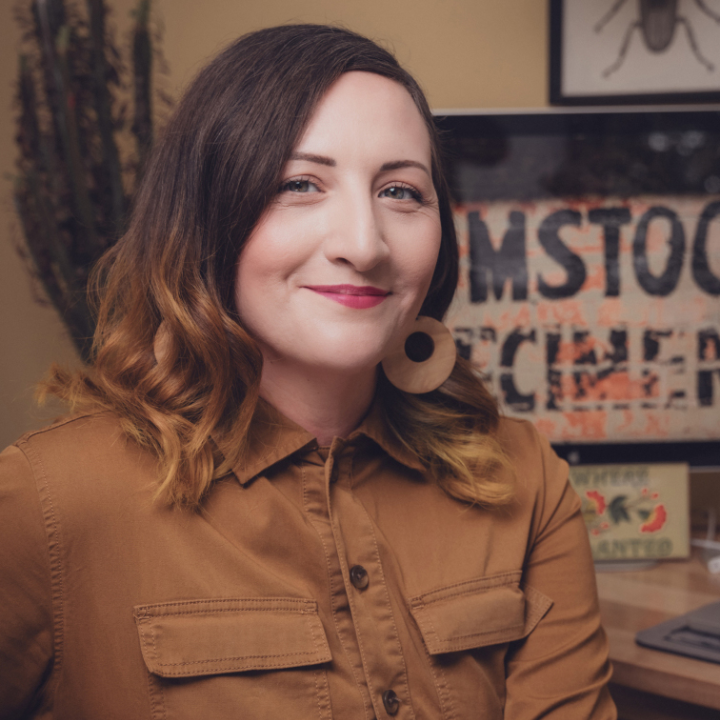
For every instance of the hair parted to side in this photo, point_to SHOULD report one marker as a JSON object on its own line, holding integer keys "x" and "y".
{"x": 189, "y": 392}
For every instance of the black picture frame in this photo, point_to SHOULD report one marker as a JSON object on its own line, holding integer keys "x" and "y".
{"x": 704, "y": 455}
{"x": 559, "y": 93}
{"x": 602, "y": 148}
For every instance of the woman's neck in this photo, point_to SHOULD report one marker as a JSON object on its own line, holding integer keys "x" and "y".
{"x": 324, "y": 403}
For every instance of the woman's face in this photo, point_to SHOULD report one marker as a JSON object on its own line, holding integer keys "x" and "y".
{"x": 338, "y": 266}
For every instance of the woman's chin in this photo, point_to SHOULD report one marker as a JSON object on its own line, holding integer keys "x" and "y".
{"x": 333, "y": 364}
{"x": 347, "y": 353}
{"x": 350, "y": 367}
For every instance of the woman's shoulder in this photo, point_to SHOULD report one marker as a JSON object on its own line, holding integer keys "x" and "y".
{"x": 540, "y": 473}
{"x": 74, "y": 427}
{"x": 79, "y": 440}
{"x": 514, "y": 430}
{"x": 79, "y": 459}
{"x": 522, "y": 441}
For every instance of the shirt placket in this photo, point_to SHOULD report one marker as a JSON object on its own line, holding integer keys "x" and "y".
{"x": 366, "y": 590}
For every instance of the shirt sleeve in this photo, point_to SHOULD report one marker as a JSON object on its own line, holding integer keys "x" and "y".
{"x": 560, "y": 671}
{"x": 26, "y": 617}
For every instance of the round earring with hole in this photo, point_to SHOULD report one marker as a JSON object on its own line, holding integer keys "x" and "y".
{"x": 424, "y": 360}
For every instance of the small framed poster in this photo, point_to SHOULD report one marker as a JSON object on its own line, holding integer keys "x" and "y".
{"x": 635, "y": 512}
{"x": 634, "y": 51}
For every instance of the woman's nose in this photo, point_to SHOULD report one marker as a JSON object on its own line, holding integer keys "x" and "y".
{"x": 356, "y": 237}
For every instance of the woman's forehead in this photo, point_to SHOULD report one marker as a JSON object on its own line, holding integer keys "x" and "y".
{"x": 376, "y": 112}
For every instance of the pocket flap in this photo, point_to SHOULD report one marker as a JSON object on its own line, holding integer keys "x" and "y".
{"x": 209, "y": 637}
{"x": 478, "y": 612}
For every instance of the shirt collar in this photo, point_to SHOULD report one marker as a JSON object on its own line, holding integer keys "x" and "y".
{"x": 273, "y": 437}
{"x": 375, "y": 427}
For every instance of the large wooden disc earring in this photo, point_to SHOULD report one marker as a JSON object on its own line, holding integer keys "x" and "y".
{"x": 424, "y": 360}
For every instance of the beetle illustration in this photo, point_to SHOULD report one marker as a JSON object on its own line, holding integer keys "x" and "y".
{"x": 657, "y": 22}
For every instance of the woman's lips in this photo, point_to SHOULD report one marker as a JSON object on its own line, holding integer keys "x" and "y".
{"x": 354, "y": 296}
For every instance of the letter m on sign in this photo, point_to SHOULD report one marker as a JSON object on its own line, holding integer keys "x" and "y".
{"x": 488, "y": 265}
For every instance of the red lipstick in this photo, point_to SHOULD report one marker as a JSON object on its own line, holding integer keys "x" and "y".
{"x": 354, "y": 296}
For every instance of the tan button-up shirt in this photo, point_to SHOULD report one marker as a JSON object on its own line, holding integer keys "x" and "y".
{"x": 314, "y": 583}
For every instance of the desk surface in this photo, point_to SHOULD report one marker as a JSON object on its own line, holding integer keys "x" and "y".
{"x": 632, "y": 601}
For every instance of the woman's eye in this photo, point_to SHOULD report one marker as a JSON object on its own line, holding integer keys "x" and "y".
{"x": 299, "y": 186}
{"x": 401, "y": 192}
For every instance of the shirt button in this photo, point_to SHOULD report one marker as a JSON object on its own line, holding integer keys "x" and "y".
{"x": 359, "y": 577}
{"x": 391, "y": 702}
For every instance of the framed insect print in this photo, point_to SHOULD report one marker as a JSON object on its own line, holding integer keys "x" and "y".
{"x": 589, "y": 291}
{"x": 614, "y": 52}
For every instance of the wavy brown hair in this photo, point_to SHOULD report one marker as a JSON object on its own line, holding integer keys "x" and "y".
{"x": 189, "y": 392}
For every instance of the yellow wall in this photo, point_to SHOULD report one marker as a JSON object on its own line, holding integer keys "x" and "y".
{"x": 465, "y": 53}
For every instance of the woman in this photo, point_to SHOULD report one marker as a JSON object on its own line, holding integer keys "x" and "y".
{"x": 246, "y": 518}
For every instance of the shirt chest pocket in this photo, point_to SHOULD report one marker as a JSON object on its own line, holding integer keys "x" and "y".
{"x": 228, "y": 658}
{"x": 466, "y": 628}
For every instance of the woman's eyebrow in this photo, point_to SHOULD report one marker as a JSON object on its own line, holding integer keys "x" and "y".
{"x": 323, "y": 160}
{"x": 398, "y": 164}
{"x": 320, "y": 159}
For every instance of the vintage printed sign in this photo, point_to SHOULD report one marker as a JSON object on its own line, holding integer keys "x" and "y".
{"x": 634, "y": 512}
{"x": 598, "y": 319}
